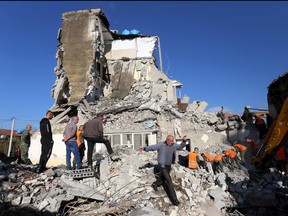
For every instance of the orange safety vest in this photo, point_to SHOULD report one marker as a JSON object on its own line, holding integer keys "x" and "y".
{"x": 280, "y": 155}
{"x": 193, "y": 160}
{"x": 219, "y": 157}
{"x": 209, "y": 157}
{"x": 240, "y": 147}
{"x": 78, "y": 135}
{"x": 230, "y": 153}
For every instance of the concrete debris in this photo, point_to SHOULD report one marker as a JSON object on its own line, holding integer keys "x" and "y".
{"x": 123, "y": 187}
{"x": 118, "y": 76}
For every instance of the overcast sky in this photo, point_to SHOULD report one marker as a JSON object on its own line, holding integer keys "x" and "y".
{"x": 224, "y": 53}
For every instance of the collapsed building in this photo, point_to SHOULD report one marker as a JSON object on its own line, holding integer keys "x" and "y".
{"x": 99, "y": 70}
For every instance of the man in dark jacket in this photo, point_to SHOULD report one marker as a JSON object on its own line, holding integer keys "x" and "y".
{"x": 166, "y": 154}
{"x": 93, "y": 133}
{"x": 46, "y": 141}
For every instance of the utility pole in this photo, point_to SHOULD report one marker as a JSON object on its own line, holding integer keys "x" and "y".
{"x": 11, "y": 136}
{"x": 160, "y": 54}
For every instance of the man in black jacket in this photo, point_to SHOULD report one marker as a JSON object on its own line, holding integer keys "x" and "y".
{"x": 93, "y": 133}
{"x": 46, "y": 141}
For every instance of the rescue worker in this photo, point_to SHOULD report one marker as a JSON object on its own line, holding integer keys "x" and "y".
{"x": 241, "y": 149}
{"x": 261, "y": 125}
{"x": 231, "y": 155}
{"x": 208, "y": 161}
{"x": 218, "y": 163}
{"x": 81, "y": 144}
{"x": 193, "y": 159}
{"x": 252, "y": 146}
{"x": 25, "y": 144}
{"x": 280, "y": 158}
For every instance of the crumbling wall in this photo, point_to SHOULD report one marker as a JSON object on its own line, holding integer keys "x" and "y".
{"x": 116, "y": 74}
{"x": 80, "y": 54}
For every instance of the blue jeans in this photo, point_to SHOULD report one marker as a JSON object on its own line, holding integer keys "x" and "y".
{"x": 71, "y": 146}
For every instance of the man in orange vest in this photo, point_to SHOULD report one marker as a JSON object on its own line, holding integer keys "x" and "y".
{"x": 231, "y": 155}
{"x": 218, "y": 163}
{"x": 281, "y": 159}
{"x": 193, "y": 159}
{"x": 208, "y": 161}
{"x": 241, "y": 149}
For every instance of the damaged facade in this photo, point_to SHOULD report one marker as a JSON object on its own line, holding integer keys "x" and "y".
{"x": 99, "y": 70}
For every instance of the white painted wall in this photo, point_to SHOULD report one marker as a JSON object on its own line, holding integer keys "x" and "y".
{"x": 58, "y": 155}
{"x": 132, "y": 48}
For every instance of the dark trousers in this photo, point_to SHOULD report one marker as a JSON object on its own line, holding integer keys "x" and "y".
{"x": 218, "y": 166}
{"x": 235, "y": 162}
{"x": 163, "y": 178}
{"x": 91, "y": 143}
{"x": 81, "y": 149}
{"x": 46, "y": 151}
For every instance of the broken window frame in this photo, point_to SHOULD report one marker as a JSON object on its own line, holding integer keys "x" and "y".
{"x": 145, "y": 139}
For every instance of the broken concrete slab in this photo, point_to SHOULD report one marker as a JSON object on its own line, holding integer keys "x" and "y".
{"x": 77, "y": 189}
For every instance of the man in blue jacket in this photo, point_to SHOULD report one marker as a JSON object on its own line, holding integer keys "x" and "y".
{"x": 166, "y": 156}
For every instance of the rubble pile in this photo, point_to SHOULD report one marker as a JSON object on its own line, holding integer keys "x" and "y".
{"x": 140, "y": 110}
{"x": 123, "y": 187}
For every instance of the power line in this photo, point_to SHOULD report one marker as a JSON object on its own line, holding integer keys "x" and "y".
{"x": 27, "y": 120}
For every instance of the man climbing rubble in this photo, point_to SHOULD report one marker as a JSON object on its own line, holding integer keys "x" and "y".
{"x": 93, "y": 133}
{"x": 218, "y": 163}
{"x": 241, "y": 149}
{"x": 232, "y": 158}
{"x": 208, "y": 162}
{"x": 166, "y": 155}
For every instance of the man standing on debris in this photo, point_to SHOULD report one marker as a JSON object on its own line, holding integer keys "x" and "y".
{"x": 93, "y": 133}
{"x": 46, "y": 141}
{"x": 247, "y": 115}
{"x": 261, "y": 126}
{"x": 71, "y": 144}
{"x": 80, "y": 143}
{"x": 193, "y": 159}
{"x": 166, "y": 156}
{"x": 25, "y": 144}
